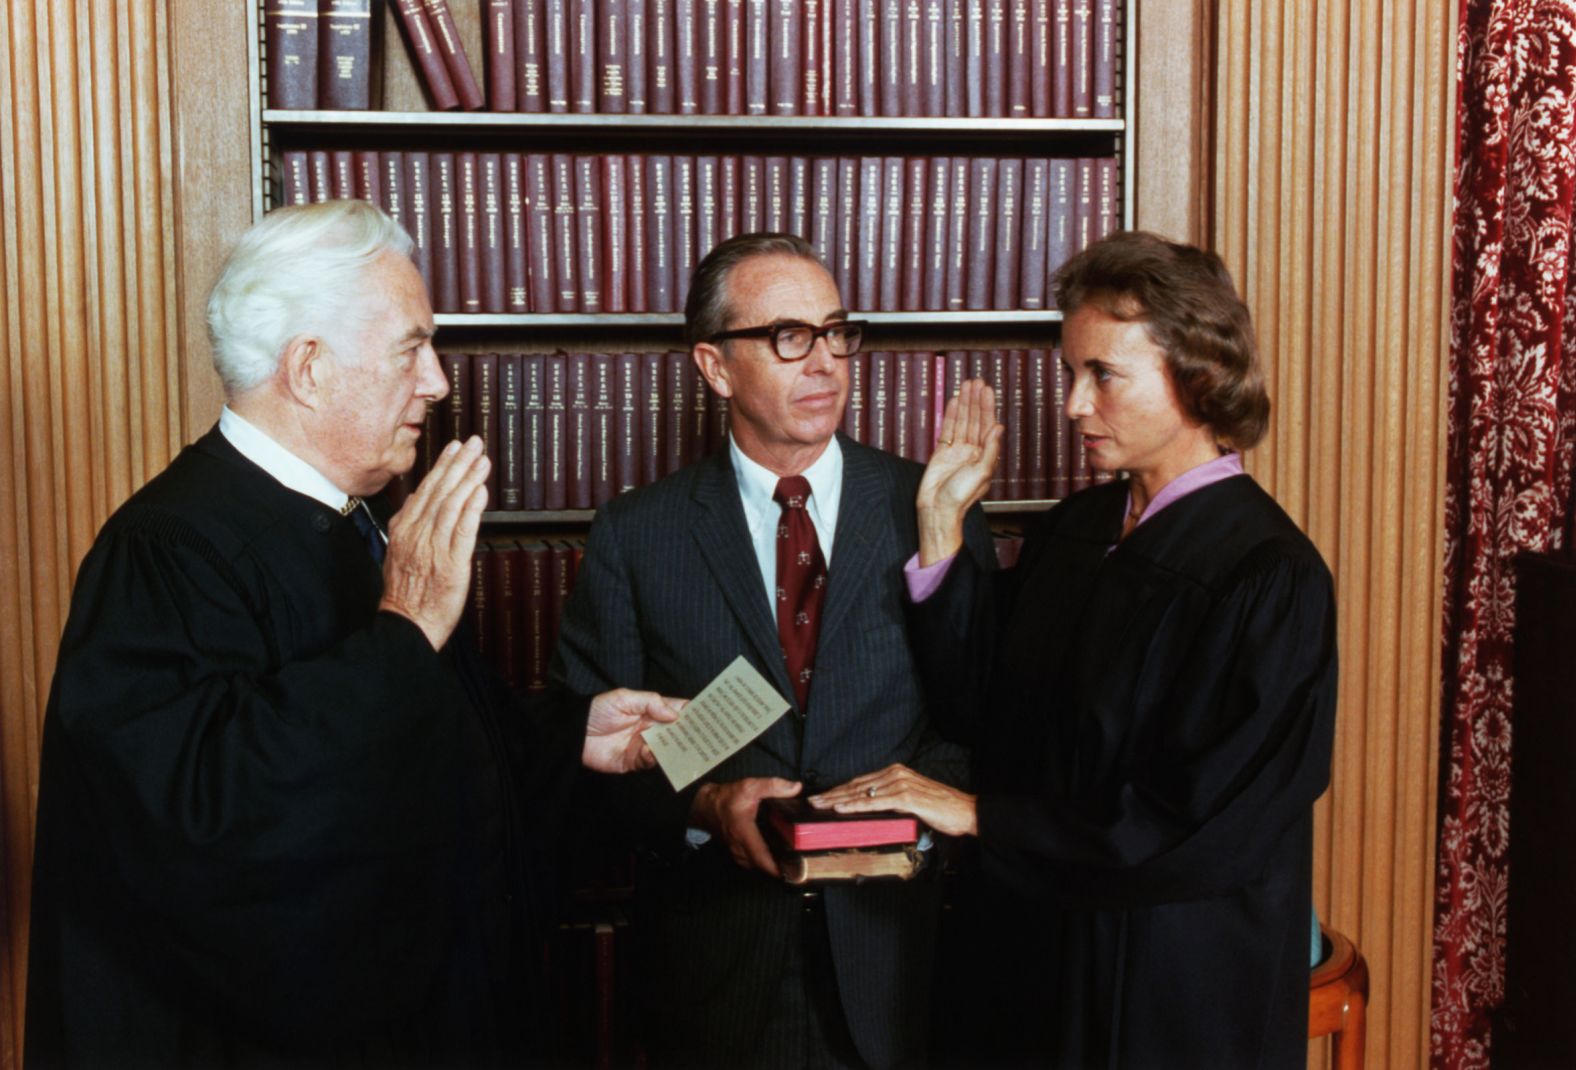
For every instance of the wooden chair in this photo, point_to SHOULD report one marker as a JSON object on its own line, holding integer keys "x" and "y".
{"x": 1338, "y": 1000}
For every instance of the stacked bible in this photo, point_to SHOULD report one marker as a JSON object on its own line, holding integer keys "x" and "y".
{"x": 822, "y": 845}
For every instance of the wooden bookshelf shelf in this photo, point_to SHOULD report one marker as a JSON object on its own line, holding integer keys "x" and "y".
{"x": 979, "y": 318}
{"x": 475, "y": 122}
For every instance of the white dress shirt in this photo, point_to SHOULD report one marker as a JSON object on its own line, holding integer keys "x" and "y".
{"x": 257, "y": 446}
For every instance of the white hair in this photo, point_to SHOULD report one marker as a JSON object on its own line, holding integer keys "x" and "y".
{"x": 298, "y": 272}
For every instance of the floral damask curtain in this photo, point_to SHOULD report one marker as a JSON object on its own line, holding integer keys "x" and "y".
{"x": 1512, "y": 425}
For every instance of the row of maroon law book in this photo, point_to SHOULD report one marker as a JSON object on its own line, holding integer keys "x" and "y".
{"x": 961, "y": 58}
{"x": 560, "y": 233}
{"x": 518, "y": 591}
{"x": 571, "y": 430}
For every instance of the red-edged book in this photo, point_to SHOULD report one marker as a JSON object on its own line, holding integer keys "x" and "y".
{"x": 684, "y": 255}
{"x": 712, "y": 52}
{"x": 902, "y": 401}
{"x": 1009, "y": 228}
{"x": 868, "y": 16}
{"x": 1032, "y": 273}
{"x": 686, "y": 55}
{"x": 799, "y": 194}
{"x": 823, "y": 220}
{"x": 982, "y": 234}
{"x": 752, "y": 210}
{"x": 934, "y": 296}
{"x": 892, "y": 179}
{"x": 728, "y": 199}
{"x": 659, "y": 221}
{"x": 845, "y": 206}
{"x": 1040, "y": 78}
{"x": 956, "y": 62}
{"x": 810, "y": 54}
{"x": 604, "y": 426}
{"x": 878, "y": 394}
{"x": 845, "y": 57}
{"x": 957, "y": 234}
{"x": 554, "y": 431}
{"x": 627, "y": 407}
{"x": 804, "y": 828}
{"x": 889, "y": 54}
{"x": 1082, "y": 55}
{"x": 1062, "y": 58}
{"x": 997, "y": 53}
{"x": 578, "y": 435}
{"x": 867, "y": 295}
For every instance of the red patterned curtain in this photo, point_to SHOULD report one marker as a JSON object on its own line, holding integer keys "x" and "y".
{"x": 1512, "y": 414}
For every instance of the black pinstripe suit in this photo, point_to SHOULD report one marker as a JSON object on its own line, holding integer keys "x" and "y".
{"x": 670, "y": 592}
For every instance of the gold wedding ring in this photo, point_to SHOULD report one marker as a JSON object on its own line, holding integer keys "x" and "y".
{"x": 871, "y": 791}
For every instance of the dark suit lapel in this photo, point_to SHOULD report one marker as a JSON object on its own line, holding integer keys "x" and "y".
{"x": 862, "y": 524}
{"x": 724, "y": 540}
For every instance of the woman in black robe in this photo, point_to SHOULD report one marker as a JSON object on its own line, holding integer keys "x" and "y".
{"x": 1150, "y": 693}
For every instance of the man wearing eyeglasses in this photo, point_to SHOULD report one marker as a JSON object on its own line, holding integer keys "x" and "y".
{"x": 786, "y": 547}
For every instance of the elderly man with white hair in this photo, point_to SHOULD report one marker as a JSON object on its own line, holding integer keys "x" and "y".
{"x": 282, "y": 817}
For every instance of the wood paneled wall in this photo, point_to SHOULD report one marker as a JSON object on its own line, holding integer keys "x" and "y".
{"x": 1331, "y": 205}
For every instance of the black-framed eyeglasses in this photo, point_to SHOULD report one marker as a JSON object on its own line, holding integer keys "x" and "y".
{"x": 793, "y": 341}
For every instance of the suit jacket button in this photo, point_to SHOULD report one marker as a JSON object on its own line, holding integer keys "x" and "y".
{"x": 320, "y": 523}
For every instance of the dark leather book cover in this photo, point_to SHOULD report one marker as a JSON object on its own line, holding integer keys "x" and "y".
{"x": 1040, "y": 66}
{"x": 536, "y": 604}
{"x": 396, "y": 202}
{"x": 533, "y": 431}
{"x": 604, "y": 452}
{"x": 507, "y": 579}
{"x": 856, "y": 419}
{"x": 498, "y": 40}
{"x": 342, "y": 164}
{"x": 997, "y": 58}
{"x": 636, "y": 258}
{"x": 555, "y": 431}
{"x": 843, "y": 17}
{"x": 867, "y": 289}
{"x": 958, "y": 234}
{"x": 612, "y": 49}
{"x": 540, "y": 217}
{"x": 675, "y": 414}
{"x": 933, "y": 59}
{"x": 661, "y": 77}
{"x": 810, "y": 53}
{"x": 892, "y": 180}
{"x": 445, "y": 234}
{"x": 776, "y": 218}
{"x": 1084, "y": 207}
{"x": 729, "y": 201}
{"x": 752, "y": 208}
{"x": 916, "y": 207}
{"x": 615, "y": 238}
{"x": 628, "y": 406}
{"x": 686, "y": 55}
{"x": 345, "y": 47}
{"x": 695, "y": 398}
{"x": 425, "y": 55}
{"x": 369, "y": 177}
{"x": 419, "y": 197}
{"x": 511, "y": 428}
{"x": 590, "y": 242}
{"x": 484, "y": 417}
{"x": 455, "y": 422}
{"x": 1020, "y": 68}
{"x": 659, "y": 222}
{"x": 956, "y": 63}
{"x": 1082, "y": 59}
{"x": 1032, "y": 273}
{"x": 469, "y": 222}
{"x": 450, "y": 47}
{"x": 1061, "y": 58}
{"x": 845, "y": 206}
{"x": 757, "y": 17}
{"x": 799, "y": 196}
{"x": 913, "y": 50}
{"x": 937, "y": 229}
{"x": 582, "y": 56}
{"x": 297, "y": 183}
{"x": 494, "y": 240}
{"x": 996, "y": 376}
{"x": 878, "y": 400}
{"x": 684, "y": 256}
{"x": 706, "y": 205}
{"x": 530, "y": 55}
{"x": 1015, "y": 450}
{"x": 922, "y": 410}
{"x": 556, "y": 36}
{"x": 1061, "y": 430}
{"x": 1036, "y": 464}
{"x": 291, "y": 33}
{"x": 566, "y": 261}
{"x": 1009, "y": 231}
{"x": 889, "y": 57}
{"x": 785, "y": 65}
{"x": 902, "y": 421}
{"x": 711, "y": 47}
{"x": 736, "y": 57}
{"x": 1058, "y": 222}
{"x": 1108, "y": 197}
{"x": 981, "y": 272}
{"x": 868, "y": 14}
{"x": 975, "y": 46}
{"x": 823, "y": 220}
{"x": 517, "y": 235}
{"x": 637, "y": 81}
{"x": 653, "y": 417}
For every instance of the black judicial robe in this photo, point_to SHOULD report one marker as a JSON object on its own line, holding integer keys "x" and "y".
{"x": 275, "y": 826}
{"x": 1152, "y": 727}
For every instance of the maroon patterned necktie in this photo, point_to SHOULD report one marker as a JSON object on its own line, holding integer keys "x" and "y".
{"x": 801, "y": 584}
